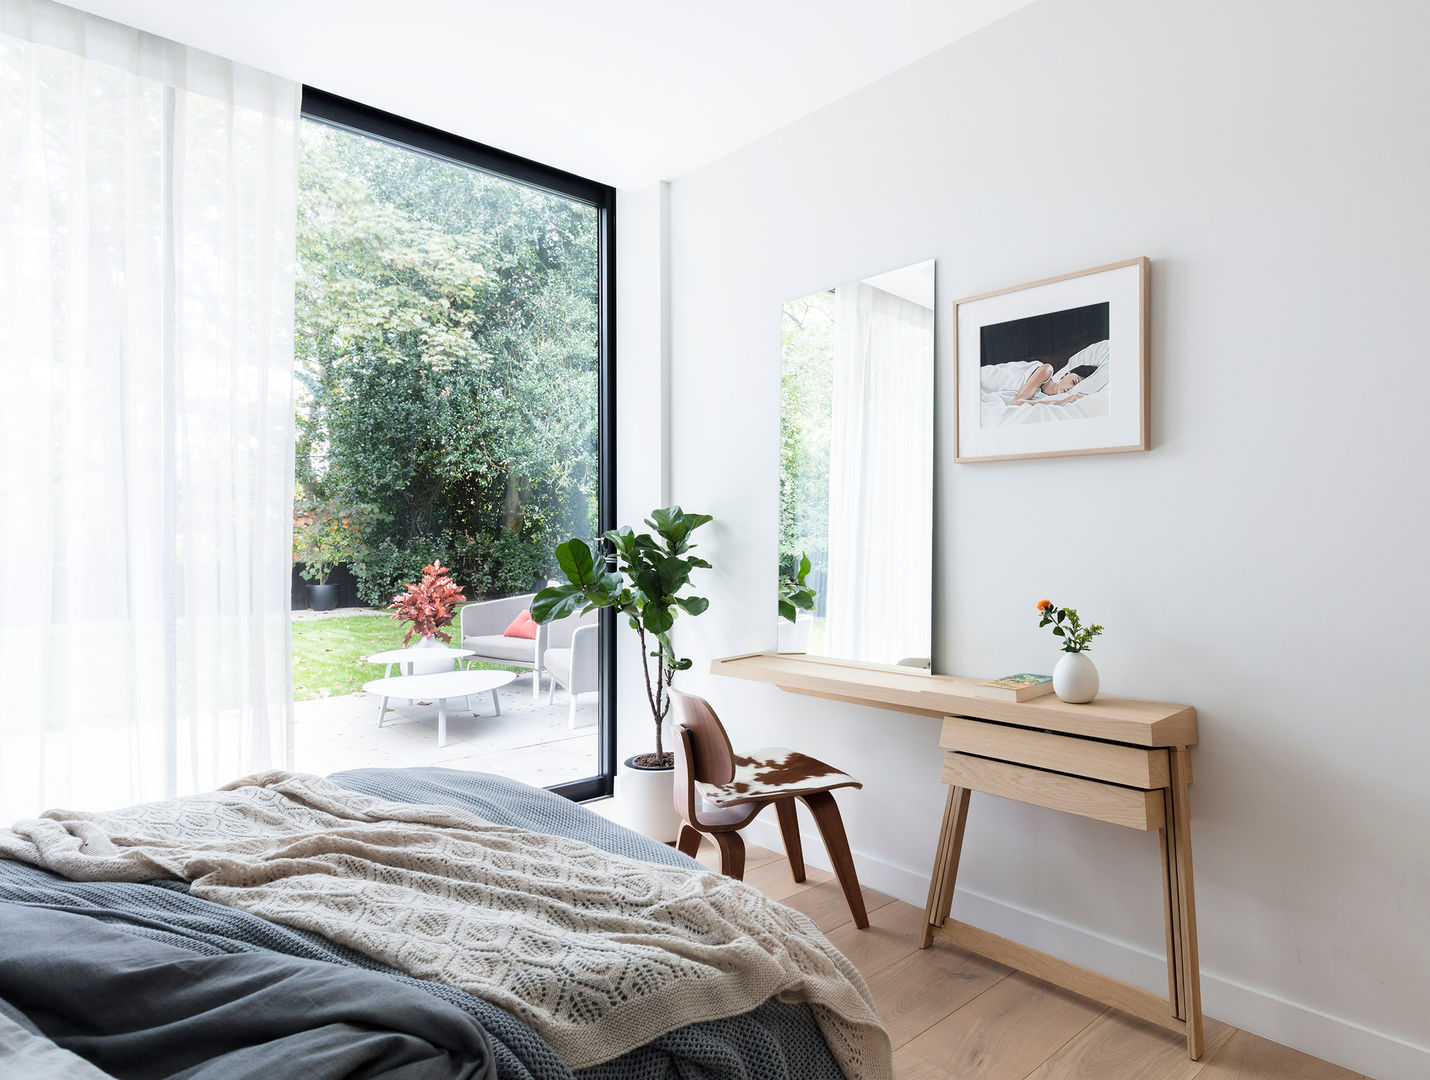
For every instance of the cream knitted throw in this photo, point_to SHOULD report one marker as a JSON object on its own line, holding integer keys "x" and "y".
{"x": 598, "y": 953}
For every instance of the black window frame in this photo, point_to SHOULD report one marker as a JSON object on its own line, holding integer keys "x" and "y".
{"x": 327, "y": 108}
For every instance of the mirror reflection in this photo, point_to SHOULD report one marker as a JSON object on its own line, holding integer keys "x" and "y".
{"x": 856, "y": 470}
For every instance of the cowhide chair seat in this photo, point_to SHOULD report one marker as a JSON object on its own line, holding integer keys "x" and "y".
{"x": 774, "y": 770}
{"x": 718, "y": 792}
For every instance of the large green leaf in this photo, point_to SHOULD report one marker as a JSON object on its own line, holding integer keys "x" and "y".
{"x": 658, "y": 619}
{"x": 622, "y": 539}
{"x": 577, "y": 561}
{"x": 787, "y": 610}
{"x": 693, "y": 605}
{"x": 557, "y": 601}
{"x": 674, "y": 572}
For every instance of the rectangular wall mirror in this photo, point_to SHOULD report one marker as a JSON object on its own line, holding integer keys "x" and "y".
{"x": 856, "y": 470}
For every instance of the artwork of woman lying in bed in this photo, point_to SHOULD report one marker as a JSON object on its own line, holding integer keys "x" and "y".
{"x": 1031, "y": 392}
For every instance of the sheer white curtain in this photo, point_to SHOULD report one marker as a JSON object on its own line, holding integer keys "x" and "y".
{"x": 147, "y": 218}
{"x": 878, "y": 600}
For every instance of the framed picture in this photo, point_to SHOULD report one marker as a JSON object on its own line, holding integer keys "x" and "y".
{"x": 1054, "y": 368}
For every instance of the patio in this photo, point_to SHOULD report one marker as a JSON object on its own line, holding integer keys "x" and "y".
{"x": 529, "y": 741}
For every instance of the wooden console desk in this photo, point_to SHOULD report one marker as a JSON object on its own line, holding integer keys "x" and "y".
{"x": 1117, "y": 759}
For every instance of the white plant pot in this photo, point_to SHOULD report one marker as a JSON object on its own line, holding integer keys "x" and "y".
{"x": 794, "y": 636}
{"x": 1075, "y": 678}
{"x": 647, "y": 801}
{"x": 428, "y": 667}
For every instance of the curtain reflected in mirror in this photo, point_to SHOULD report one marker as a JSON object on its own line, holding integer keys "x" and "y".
{"x": 856, "y": 470}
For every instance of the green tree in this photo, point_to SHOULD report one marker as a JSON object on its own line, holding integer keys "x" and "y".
{"x": 447, "y": 360}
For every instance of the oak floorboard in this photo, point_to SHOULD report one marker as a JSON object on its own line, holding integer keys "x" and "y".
{"x": 915, "y": 993}
{"x": 825, "y": 904}
{"x": 755, "y": 856}
{"x": 1250, "y": 1057}
{"x": 1002, "y": 1034}
{"x": 774, "y": 880}
{"x": 1018, "y": 1023}
{"x": 1116, "y": 1046}
{"x": 893, "y": 934}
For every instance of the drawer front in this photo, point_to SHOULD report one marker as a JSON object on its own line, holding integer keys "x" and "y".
{"x": 1132, "y": 766}
{"x": 1129, "y": 807}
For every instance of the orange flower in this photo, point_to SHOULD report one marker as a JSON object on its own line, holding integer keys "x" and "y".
{"x": 1044, "y": 605}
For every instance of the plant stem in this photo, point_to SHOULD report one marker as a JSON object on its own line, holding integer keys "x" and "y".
{"x": 654, "y": 696}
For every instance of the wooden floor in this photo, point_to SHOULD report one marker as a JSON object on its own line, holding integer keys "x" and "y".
{"x": 951, "y": 1014}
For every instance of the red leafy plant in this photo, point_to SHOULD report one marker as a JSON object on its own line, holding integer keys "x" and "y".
{"x": 428, "y": 604}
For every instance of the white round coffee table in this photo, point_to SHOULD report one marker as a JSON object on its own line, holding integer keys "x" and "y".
{"x": 439, "y": 686}
{"x": 421, "y": 654}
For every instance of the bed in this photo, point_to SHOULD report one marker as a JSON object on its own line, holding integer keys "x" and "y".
{"x": 149, "y": 978}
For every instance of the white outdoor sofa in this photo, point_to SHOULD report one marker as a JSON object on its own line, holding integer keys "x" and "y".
{"x": 555, "y": 649}
{"x": 482, "y": 626}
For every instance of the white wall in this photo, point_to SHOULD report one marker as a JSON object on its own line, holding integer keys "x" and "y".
{"x": 1266, "y": 561}
{"x": 642, "y": 412}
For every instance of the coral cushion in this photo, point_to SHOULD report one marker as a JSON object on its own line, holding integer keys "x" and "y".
{"x": 521, "y": 626}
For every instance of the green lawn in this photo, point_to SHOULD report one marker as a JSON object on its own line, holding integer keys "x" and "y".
{"x": 328, "y": 653}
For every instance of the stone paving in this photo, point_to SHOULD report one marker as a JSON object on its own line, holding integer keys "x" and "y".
{"x": 529, "y": 741}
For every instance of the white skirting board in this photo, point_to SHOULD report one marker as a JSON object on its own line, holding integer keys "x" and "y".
{"x": 1342, "y": 1042}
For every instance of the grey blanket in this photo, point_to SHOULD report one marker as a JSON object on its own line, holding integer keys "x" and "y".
{"x": 147, "y": 1009}
{"x": 773, "y": 1042}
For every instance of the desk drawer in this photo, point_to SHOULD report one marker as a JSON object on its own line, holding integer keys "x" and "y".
{"x": 1124, "y": 806}
{"x": 1131, "y": 766}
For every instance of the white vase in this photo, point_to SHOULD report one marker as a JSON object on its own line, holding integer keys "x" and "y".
{"x": 1075, "y": 678}
{"x": 428, "y": 667}
{"x": 794, "y": 636}
{"x": 647, "y": 801}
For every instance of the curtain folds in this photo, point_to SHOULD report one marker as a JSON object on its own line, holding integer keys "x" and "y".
{"x": 147, "y": 220}
{"x": 879, "y": 604}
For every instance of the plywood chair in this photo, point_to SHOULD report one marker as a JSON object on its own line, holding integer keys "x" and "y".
{"x": 719, "y": 792}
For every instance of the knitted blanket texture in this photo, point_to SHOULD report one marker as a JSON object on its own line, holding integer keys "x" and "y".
{"x": 598, "y": 953}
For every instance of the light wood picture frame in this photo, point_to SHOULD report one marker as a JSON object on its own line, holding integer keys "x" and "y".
{"x": 1021, "y": 355}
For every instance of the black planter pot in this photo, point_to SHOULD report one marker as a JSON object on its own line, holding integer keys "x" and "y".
{"x": 322, "y": 597}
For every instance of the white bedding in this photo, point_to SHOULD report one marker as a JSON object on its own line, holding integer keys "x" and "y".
{"x": 999, "y": 385}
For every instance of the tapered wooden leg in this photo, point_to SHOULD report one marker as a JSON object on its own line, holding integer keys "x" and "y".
{"x": 689, "y": 841}
{"x": 789, "y": 829}
{"x": 1172, "y": 910}
{"x": 945, "y": 862}
{"x": 732, "y": 854}
{"x": 831, "y": 828}
{"x": 1181, "y": 828}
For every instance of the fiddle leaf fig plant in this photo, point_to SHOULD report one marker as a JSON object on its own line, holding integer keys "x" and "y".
{"x": 795, "y": 595}
{"x": 643, "y": 577}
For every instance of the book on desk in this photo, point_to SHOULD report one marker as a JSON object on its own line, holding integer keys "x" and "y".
{"x": 1024, "y": 686}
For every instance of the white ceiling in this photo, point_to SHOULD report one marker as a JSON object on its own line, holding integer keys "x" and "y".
{"x": 623, "y": 91}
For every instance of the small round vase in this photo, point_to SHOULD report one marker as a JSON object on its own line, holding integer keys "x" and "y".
{"x": 428, "y": 667}
{"x": 1075, "y": 678}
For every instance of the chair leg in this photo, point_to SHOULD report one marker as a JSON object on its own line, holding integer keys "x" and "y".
{"x": 789, "y": 829}
{"x": 689, "y": 842}
{"x": 732, "y": 854}
{"x": 831, "y": 828}
{"x": 551, "y": 694}
{"x": 571, "y": 713}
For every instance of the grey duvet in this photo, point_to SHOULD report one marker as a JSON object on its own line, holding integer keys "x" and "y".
{"x": 148, "y": 981}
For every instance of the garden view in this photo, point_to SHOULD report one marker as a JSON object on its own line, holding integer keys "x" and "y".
{"x": 447, "y": 375}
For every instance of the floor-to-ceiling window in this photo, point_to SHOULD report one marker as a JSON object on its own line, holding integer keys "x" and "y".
{"x": 454, "y": 367}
